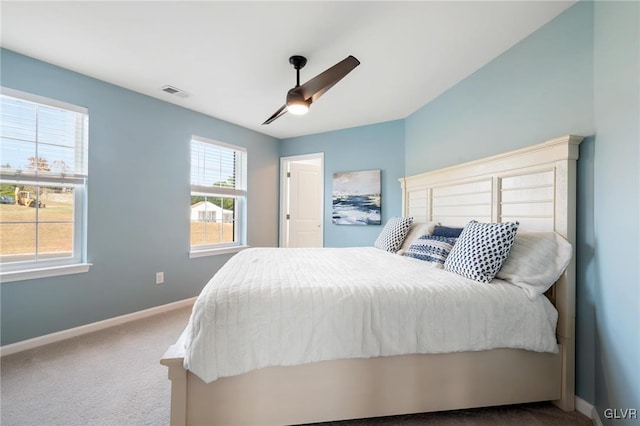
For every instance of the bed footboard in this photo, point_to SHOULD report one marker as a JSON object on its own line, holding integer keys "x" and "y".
{"x": 361, "y": 388}
{"x": 178, "y": 376}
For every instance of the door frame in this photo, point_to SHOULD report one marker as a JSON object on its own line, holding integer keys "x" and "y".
{"x": 284, "y": 193}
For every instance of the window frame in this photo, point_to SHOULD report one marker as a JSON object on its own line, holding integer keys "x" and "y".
{"x": 77, "y": 262}
{"x": 239, "y": 194}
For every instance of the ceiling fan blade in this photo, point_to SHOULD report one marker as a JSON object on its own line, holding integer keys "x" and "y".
{"x": 319, "y": 84}
{"x": 279, "y": 113}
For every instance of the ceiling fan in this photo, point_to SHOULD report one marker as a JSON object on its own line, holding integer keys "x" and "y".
{"x": 300, "y": 98}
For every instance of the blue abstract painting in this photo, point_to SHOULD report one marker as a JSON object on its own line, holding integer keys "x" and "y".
{"x": 356, "y": 198}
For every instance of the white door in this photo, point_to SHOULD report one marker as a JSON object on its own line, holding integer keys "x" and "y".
{"x": 305, "y": 192}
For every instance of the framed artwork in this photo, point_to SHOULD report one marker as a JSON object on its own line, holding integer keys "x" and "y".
{"x": 356, "y": 198}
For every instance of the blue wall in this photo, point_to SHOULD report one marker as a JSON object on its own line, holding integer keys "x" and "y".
{"x": 616, "y": 278}
{"x": 377, "y": 146}
{"x": 538, "y": 90}
{"x": 138, "y": 189}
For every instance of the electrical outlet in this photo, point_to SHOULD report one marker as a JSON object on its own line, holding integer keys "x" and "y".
{"x": 159, "y": 277}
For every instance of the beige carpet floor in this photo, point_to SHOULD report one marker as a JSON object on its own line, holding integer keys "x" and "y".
{"x": 113, "y": 378}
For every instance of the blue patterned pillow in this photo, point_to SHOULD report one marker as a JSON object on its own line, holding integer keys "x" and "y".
{"x": 431, "y": 248}
{"x": 393, "y": 234}
{"x": 481, "y": 249}
{"x": 446, "y": 231}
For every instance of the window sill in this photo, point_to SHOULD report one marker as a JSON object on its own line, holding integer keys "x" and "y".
{"x": 53, "y": 271}
{"x": 216, "y": 251}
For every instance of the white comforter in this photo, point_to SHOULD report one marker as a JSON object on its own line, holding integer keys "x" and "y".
{"x": 269, "y": 307}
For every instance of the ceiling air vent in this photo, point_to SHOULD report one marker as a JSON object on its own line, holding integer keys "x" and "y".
{"x": 175, "y": 91}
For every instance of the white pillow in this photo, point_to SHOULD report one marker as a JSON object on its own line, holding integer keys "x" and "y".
{"x": 417, "y": 230}
{"x": 536, "y": 261}
{"x": 393, "y": 234}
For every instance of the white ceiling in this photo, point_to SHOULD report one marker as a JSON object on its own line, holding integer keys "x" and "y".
{"x": 232, "y": 57}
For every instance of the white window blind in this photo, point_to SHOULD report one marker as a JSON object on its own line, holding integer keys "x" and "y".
{"x": 218, "y": 166}
{"x": 43, "y": 140}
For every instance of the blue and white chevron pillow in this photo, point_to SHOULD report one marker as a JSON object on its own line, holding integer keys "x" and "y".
{"x": 431, "y": 248}
{"x": 481, "y": 249}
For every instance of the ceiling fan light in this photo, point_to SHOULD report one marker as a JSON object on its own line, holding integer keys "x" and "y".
{"x": 298, "y": 107}
{"x": 296, "y": 103}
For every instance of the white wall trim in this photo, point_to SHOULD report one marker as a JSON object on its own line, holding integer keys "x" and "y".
{"x": 595, "y": 417}
{"x": 216, "y": 251}
{"x": 90, "y": 328}
{"x": 588, "y": 410}
{"x": 284, "y": 168}
{"x": 583, "y": 407}
{"x": 45, "y": 272}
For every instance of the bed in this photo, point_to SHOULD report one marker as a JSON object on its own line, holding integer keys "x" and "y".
{"x": 534, "y": 186}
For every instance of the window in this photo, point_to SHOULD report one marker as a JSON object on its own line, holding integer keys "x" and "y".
{"x": 43, "y": 175}
{"x": 218, "y": 195}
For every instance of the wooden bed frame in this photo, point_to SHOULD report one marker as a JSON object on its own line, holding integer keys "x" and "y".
{"x": 534, "y": 185}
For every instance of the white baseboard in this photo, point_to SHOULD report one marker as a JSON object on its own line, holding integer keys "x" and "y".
{"x": 90, "y": 328}
{"x": 588, "y": 410}
{"x": 595, "y": 417}
{"x": 583, "y": 407}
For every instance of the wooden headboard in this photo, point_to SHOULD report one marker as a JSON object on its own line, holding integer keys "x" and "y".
{"x": 535, "y": 186}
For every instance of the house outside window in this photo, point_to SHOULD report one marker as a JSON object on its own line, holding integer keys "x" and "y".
{"x": 43, "y": 178}
{"x": 218, "y": 195}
